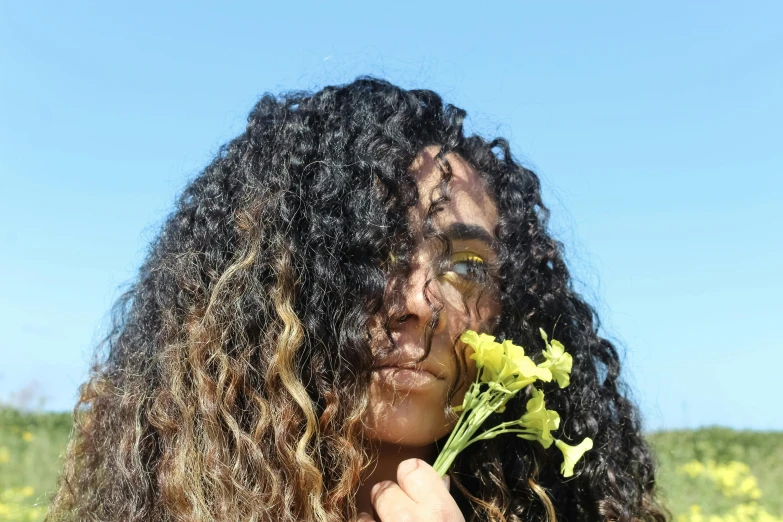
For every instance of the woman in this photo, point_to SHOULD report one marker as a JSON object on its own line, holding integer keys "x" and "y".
{"x": 290, "y": 350}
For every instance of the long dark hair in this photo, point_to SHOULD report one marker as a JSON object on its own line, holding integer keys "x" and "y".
{"x": 234, "y": 378}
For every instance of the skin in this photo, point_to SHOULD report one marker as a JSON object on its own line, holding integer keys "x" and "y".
{"x": 407, "y": 413}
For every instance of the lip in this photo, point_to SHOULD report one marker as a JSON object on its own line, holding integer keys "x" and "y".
{"x": 406, "y": 377}
{"x": 409, "y": 367}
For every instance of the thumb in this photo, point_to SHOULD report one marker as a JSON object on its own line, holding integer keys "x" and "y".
{"x": 446, "y": 482}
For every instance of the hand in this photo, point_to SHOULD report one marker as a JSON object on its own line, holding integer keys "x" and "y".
{"x": 419, "y": 495}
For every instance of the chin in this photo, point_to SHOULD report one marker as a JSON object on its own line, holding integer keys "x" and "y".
{"x": 410, "y": 420}
{"x": 405, "y": 435}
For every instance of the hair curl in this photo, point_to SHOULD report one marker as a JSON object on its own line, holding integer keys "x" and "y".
{"x": 233, "y": 380}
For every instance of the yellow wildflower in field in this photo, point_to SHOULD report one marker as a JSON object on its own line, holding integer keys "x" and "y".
{"x": 5, "y": 455}
{"x": 746, "y": 512}
{"x": 734, "y": 478}
{"x": 14, "y": 506}
{"x": 27, "y": 436}
{"x": 694, "y": 515}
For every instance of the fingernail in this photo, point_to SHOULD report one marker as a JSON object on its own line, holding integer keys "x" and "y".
{"x": 447, "y": 482}
{"x": 363, "y": 516}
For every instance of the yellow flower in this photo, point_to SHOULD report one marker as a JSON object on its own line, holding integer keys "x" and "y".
{"x": 27, "y": 436}
{"x": 505, "y": 365}
{"x": 557, "y": 360}
{"x": 539, "y": 420}
{"x": 5, "y": 455}
{"x": 694, "y": 515}
{"x": 504, "y": 370}
{"x": 27, "y": 491}
{"x": 524, "y": 365}
{"x": 734, "y": 479}
{"x": 486, "y": 352}
{"x": 693, "y": 468}
{"x": 572, "y": 454}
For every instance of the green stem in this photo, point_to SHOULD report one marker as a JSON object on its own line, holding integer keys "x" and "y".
{"x": 465, "y": 413}
{"x": 469, "y": 422}
{"x": 451, "y": 448}
{"x": 447, "y": 455}
{"x": 494, "y": 433}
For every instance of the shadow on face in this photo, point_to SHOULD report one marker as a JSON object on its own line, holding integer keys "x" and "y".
{"x": 415, "y": 380}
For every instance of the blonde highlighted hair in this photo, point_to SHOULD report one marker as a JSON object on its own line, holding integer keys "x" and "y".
{"x": 232, "y": 383}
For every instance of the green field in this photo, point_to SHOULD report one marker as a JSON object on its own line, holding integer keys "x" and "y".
{"x": 30, "y": 448}
{"x": 732, "y": 476}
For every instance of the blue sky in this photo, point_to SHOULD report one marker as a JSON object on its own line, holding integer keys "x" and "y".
{"x": 656, "y": 131}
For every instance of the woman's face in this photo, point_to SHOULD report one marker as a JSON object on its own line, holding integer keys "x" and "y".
{"x": 408, "y": 399}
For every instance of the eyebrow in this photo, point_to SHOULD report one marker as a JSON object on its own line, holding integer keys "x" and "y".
{"x": 466, "y": 232}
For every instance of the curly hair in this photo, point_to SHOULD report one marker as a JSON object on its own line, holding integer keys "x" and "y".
{"x": 232, "y": 383}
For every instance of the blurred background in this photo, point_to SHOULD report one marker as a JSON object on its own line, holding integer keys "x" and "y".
{"x": 655, "y": 129}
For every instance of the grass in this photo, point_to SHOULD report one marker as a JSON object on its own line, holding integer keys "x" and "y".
{"x": 31, "y": 447}
{"x": 762, "y": 452}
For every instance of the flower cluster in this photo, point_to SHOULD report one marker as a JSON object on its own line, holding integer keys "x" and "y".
{"x": 735, "y": 480}
{"x": 15, "y": 507}
{"x": 504, "y": 370}
{"x": 17, "y": 503}
{"x": 748, "y": 512}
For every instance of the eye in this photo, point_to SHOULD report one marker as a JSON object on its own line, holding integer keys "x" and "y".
{"x": 469, "y": 266}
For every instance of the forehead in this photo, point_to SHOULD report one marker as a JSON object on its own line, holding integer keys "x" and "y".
{"x": 469, "y": 201}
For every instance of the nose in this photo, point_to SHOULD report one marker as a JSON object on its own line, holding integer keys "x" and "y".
{"x": 422, "y": 298}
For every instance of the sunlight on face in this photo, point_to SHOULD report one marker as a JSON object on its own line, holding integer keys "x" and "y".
{"x": 407, "y": 400}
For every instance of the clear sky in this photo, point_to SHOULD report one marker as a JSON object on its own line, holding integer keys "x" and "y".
{"x": 655, "y": 128}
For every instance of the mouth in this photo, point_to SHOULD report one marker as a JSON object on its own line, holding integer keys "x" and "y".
{"x": 411, "y": 378}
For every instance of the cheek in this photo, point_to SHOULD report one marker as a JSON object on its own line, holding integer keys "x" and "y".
{"x": 467, "y": 378}
{"x": 477, "y": 308}
{"x": 488, "y": 307}
{"x": 470, "y": 363}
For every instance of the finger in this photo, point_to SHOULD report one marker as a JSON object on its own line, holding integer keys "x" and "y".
{"x": 364, "y": 517}
{"x": 391, "y": 502}
{"x": 421, "y": 482}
